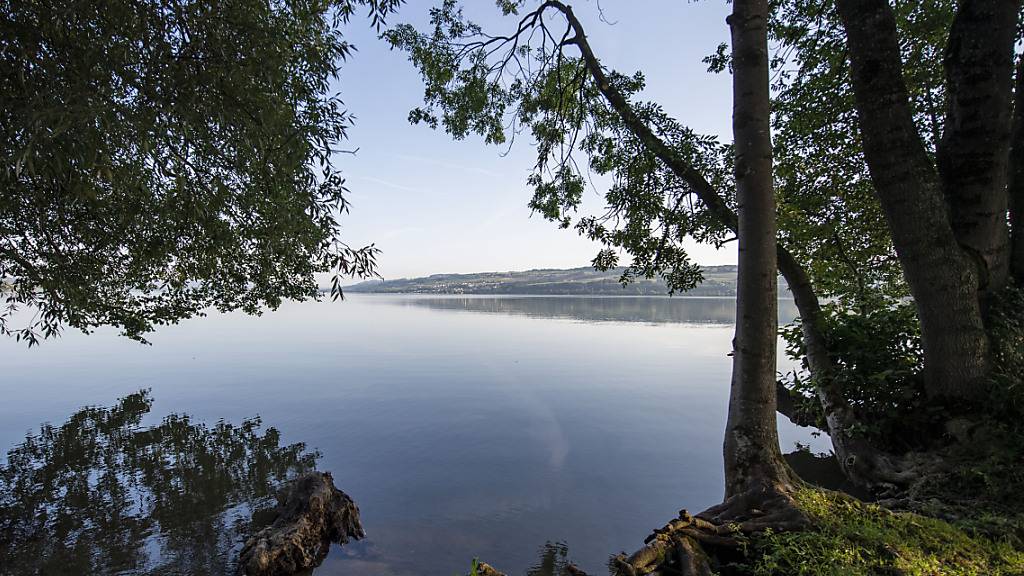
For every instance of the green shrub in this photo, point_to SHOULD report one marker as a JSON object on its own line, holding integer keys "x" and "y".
{"x": 876, "y": 347}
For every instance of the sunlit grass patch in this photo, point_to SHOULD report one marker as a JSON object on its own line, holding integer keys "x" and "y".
{"x": 854, "y": 538}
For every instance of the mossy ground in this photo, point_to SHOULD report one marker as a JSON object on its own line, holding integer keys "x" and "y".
{"x": 851, "y": 538}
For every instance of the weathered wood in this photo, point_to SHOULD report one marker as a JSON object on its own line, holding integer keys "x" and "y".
{"x": 692, "y": 559}
{"x": 310, "y": 514}
{"x": 676, "y": 548}
{"x": 485, "y": 569}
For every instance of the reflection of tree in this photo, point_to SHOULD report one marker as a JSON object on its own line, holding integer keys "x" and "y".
{"x": 101, "y": 495}
{"x": 620, "y": 309}
{"x": 552, "y": 561}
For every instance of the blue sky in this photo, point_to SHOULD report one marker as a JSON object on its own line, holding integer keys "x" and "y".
{"x": 435, "y": 205}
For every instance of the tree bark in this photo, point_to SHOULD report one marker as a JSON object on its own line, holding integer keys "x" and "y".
{"x": 973, "y": 152}
{"x": 753, "y": 461}
{"x": 1016, "y": 178}
{"x": 942, "y": 277}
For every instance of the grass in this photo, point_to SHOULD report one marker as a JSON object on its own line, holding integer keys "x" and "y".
{"x": 851, "y": 538}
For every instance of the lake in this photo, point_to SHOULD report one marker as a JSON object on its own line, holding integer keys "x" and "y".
{"x": 520, "y": 430}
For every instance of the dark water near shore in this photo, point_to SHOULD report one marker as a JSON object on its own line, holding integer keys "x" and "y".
{"x": 521, "y": 430}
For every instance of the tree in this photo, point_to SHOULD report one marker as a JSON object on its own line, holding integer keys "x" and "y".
{"x": 753, "y": 461}
{"x": 947, "y": 214}
{"x": 161, "y": 158}
{"x": 668, "y": 183}
{"x": 832, "y": 220}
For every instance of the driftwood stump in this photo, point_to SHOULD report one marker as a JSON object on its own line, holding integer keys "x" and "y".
{"x": 310, "y": 514}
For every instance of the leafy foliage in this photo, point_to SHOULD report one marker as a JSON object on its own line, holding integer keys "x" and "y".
{"x": 877, "y": 351}
{"x": 830, "y": 218}
{"x": 532, "y": 81}
{"x": 828, "y": 213}
{"x": 163, "y": 157}
{"x": 1006, "y": 329}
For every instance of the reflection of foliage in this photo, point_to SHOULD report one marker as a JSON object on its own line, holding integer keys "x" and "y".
{"x": 101, "y": 495}
{"x": 719, "y": 311}
{"x": 552, "y": 562}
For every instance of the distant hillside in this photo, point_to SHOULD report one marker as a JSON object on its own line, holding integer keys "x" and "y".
{"x": 718, "y": 281}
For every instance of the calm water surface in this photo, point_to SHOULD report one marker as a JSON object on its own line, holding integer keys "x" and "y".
{"x": 502, "y": 428}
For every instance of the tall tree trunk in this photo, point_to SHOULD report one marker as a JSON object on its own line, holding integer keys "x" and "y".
{"x": 1016, "y": 177}
{"x": 972, "y": 154}
{"x": 753, "y": 461}
{"x": 942, "y": 277}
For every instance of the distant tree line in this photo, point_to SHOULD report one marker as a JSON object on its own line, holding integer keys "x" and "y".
{"x": 718, "y": 281}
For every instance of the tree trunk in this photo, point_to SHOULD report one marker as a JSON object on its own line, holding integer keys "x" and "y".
{"x": 1016, "y": 178}
{"x": 972, "y": 154}
{"x": 942, "y": 277}
{"x": 753, "y": 461}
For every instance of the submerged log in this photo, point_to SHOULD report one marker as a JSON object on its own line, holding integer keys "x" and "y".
{"x": 310, "y": 514}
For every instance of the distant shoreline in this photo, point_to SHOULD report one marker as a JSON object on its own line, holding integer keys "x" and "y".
{"x": 719, "y": 282}
{"x": 685, "y": 296}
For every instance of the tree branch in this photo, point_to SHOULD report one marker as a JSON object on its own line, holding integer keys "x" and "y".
{"x": 679, "y": 166}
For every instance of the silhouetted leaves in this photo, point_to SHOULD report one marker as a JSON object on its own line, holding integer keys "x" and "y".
{"x": 163, "y": 157}
{"x": 530, "y": 78}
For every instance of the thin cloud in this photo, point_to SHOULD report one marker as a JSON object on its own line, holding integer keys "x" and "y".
{"x": 449, "y": 165}
{"x": 389, "y": 184}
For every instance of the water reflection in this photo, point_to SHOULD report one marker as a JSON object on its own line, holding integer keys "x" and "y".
{"x": 654, "y": 310}
{"x": 102, "y": 494}
{"x": 553, "y": 560}
{"x": 459, "y": 434}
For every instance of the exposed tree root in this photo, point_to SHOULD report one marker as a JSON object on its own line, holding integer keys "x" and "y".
{"x": 711, "y": 542}
{"x": 700, "y": 545}
{"x": 485, "y": 569}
